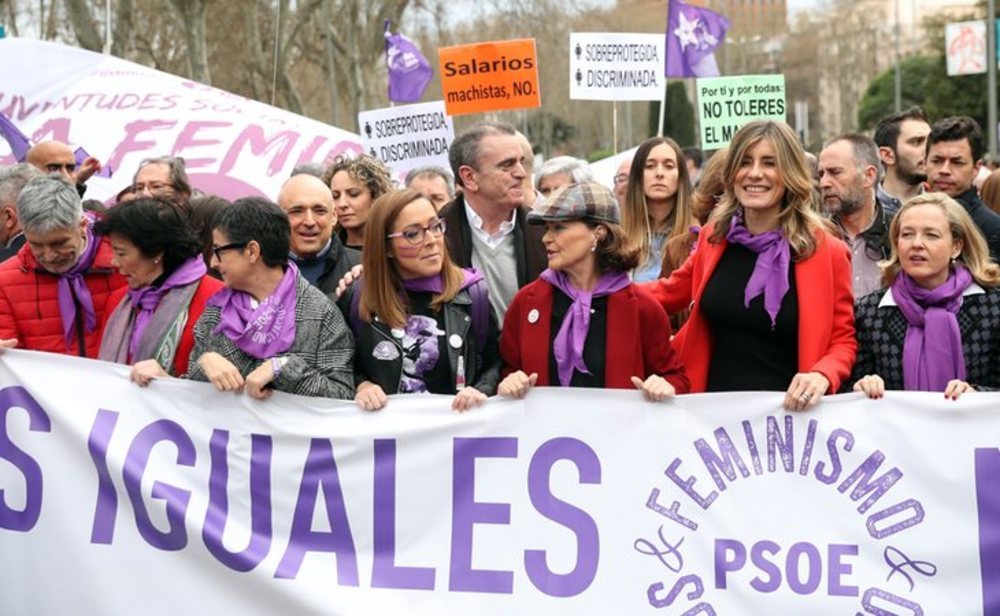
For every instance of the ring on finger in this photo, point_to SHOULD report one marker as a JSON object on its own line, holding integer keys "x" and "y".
{"x": 805, "y": 396}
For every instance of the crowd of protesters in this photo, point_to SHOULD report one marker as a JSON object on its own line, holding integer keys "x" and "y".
{"x": 869, "y": 267}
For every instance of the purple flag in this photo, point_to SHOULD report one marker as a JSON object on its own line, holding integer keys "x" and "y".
{"x": 19, "y": 143}
{"x": 81, "y": 155}
{"x": 693, "y": 34}
{"x": 409, "y": 71}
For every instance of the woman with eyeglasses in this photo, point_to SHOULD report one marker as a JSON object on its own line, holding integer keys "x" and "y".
{"x": 583, "y": 323}
{"x": 268, "y": 329}
{"x": 421, "y": 324}
{"x": 151, "y": 326}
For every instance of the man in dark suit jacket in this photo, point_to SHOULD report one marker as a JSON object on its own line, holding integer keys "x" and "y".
{"x": 12, "y": 181}
{"x": 486, "y": 224}
{"x": 954, "y": 156}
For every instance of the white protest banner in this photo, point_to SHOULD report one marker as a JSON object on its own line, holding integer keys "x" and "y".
{"x": 615, "y": 66}
{"x": 965, "y": 47}
{"x": 179, "y": 499}
{"x": 408, "y": 136}
{"x": 727, "y": 103}
{"x": 122, "y": 113}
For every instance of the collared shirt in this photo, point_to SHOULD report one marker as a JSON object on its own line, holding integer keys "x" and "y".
{"x": 866, "y": 275}
{"x": 889, "y": 300}
{"x": 491, "y": 239}
{"x": 890, "y": 203}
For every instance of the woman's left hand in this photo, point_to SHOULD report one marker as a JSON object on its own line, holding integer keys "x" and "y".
{"x": 468, "y": 398}
{"x": 256, "y": 382}
{"x": 145, "y": 371}
{"x": 956, "y": 388}
{"x": 656, "y": 388}
{"x": 805, "y": 391}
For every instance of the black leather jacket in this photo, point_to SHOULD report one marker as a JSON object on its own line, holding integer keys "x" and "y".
{"x": 482, "y": 367}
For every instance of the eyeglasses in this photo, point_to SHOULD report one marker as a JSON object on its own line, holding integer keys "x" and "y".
{"x": 218, "y": 250}
{"x": 621, "y": 178}
{"x": 416, "y": 234}
{"x": 152, "y": 187}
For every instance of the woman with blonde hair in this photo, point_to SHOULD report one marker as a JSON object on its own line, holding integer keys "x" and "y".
{"x": 356, "y": 182}
{"x": 657, "y": 204}
{"x": 944, "y": 292}
{"x": 769, "y": 287}
{"x": 421, "y": 323}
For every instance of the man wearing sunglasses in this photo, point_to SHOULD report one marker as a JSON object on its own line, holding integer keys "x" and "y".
{"x": 57, "y": 157}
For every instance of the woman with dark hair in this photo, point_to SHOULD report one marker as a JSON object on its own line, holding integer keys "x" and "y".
{"x": 268, "y": 328}
{"x": 151, "y": 325}
{"x": 583, "y": 323}
{"x": 768, "y": 286}
{"x": 356, "y": 182}
{"x": 421, "y": 323}
{"x": 657, "y": 204}
{"x": 203, "y": 211}
{"x": 943, "y": 291}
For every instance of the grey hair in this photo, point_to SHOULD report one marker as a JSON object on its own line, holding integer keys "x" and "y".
{"x": 577, "y": 169}
{"x": 12, "y": 181}
{"x": 863, "y": 150}
{"x": 431, "y": 172}
{"x": 464, "y": 150}
{"x": 178, "y": 171}
{"x": 49, "y": 203}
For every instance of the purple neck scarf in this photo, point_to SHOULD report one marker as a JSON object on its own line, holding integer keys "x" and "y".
{"x": 932, "y": 349}
{"x": 568, "y": 344}
{"x": 148, "y": 298}
{"x": 434, "y": 284}
{"x": 72, "y": 285}
{"x": 770, "y": 273}
{"x": 264, "y": 331}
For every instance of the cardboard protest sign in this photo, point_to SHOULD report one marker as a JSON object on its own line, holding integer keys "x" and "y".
{"x": 490, "y": 76}
{"x": 613, "y": 66}
{"x": 409, "y": 136}
{"x": 727, "y": 103}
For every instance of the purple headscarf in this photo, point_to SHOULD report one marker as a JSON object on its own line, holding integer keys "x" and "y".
{"x": 770, "y": 273}
{"x": 72, "y": 285}
{"x": 264, "y": 331}
{"x": 148, "y": 298}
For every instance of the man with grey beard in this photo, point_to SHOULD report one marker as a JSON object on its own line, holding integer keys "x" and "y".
{"x": 848, "y": 175}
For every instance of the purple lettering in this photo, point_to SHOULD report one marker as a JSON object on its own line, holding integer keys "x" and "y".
{"x": 385, "y": 572}
{"x": 863, "y": 474}
{"x": 688, "y": 485}
{"x": 132, "y": 143}
{"x": 176, "y": 499}
{"x": 188, "y": 139}
{"x": 778, "y": 443}
{"x": 575, "y": 519}
{"x": 752, "y": 447}
{"x": 106, "y": 510}
{"x": 915, "y": 518}
{"x": 259, "y": 144}
{"x": 988, "y": 503}
{"x": 690, "y": 579}
{"x": 671, "y": 512}
{"x": 320, "y": 470}
{"x": 808, "y": 449}
{"x": 875, "y": 593}
{"x": 218, "y": 502}
{"x": 814, "y": 568}
{"x": 835, "y": 465}
{"x": 838, "y": 568}
{"x": 723, "y": 461}
{"x": 466, "y": 513}
{"x": 38, "y": 421}
{"x": 730, "y": 555}
{"x": 757, "y": 557}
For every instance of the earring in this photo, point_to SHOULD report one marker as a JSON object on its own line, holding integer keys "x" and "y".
{"x": 593, "y": 247}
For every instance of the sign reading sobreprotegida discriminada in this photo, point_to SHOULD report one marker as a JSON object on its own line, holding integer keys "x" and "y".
{"x": 616, "y": 66}
{"x": 725, "y": 104}
{"x": 408, "y": 136}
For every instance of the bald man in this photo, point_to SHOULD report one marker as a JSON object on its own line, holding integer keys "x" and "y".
{"x": 57, "y": 157}
{"x": 316, "y": 250}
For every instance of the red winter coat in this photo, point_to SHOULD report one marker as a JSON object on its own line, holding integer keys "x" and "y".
{"x": 638, "y": 338}
{"x": 29, "y": 303}
{"x": 206, "y": 289}
{"x": 826, "y": 309}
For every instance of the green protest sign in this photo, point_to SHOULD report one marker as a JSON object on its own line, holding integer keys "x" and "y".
{"x": 727, "y": 103}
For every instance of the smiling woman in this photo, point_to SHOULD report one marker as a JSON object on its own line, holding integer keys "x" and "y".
{"x": 421, "y": 324}
{"x": 769, "y": 287}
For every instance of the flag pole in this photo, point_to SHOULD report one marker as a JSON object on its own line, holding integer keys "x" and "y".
{"x": 614, "y": 126}
{"x": 663, "y": 110}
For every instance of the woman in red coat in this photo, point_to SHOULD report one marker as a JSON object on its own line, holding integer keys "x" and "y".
{"x": 150, "y": 323}
{"x": 583, "y": 323}
{"x": 768, "y": 287}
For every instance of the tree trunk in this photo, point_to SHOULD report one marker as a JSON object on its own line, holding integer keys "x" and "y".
{"x": 83, "y": 24}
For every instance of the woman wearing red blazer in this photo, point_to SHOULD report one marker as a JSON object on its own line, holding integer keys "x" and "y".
{"x": 583, "y": 323}
{"x": 769, "y": 288}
